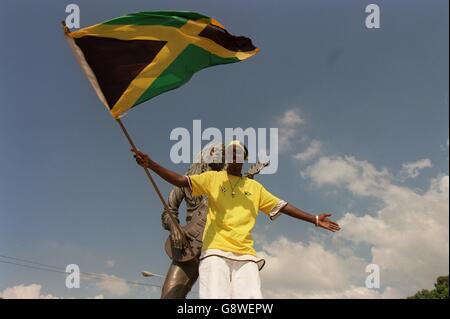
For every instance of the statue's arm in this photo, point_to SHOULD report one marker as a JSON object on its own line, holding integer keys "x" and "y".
{"x": 176, "y": 197}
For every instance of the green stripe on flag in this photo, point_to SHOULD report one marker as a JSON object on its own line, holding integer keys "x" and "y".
{"x": 165, "y": 18}
{"x": 191, "y": 60}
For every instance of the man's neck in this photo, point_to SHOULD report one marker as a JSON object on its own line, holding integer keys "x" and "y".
{"x": 234, "y": 172}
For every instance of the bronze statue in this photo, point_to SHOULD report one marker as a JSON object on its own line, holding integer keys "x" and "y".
{"x": 183, "y": 272}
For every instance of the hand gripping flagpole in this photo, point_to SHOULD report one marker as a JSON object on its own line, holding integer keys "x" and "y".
{"x": 155, "y": 187}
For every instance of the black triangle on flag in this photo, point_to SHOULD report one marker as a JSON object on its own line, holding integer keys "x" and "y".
{"x": 115, "y": 63}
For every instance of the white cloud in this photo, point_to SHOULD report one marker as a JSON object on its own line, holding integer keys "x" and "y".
{"x": 312, "y": 151}
{"x": 32, "y": 291}
{"x": 110, "y": 263}
{"x": 113, "y": 285}
{"x": 407, "y": 237}
{"x": 412, "y": 169}
{"x": 291, "y": 118}
{"x": 288, "y": 124}
{"x": 359, "y": 177}
{"x": 297, "y": 270}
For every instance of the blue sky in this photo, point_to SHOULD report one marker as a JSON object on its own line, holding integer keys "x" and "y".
{"x": 372, "y": 100}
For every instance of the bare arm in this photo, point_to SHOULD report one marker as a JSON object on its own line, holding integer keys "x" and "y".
{"x": 322, "y": 220}
{"x": 170, "y": 176}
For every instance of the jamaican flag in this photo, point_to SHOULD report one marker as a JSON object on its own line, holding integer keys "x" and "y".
{"x": 131, "y": 59}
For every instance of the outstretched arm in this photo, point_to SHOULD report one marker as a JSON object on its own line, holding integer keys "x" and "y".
{"x": 170, "y": 176}
{"x": 320, "y": 220}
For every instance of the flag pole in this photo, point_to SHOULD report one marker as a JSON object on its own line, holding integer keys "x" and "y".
{"x": 155, "y": 187}
{"x": 150, "y": 177}
{"x": 147, "y": 172}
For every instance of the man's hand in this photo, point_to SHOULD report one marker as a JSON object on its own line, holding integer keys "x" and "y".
{"x": 141, "y": 158}
{"x": 169, "y": 176}
{"x": 176, "y": 236}
{"x": 326, "y": 223}
{"x": 320, "y": 221}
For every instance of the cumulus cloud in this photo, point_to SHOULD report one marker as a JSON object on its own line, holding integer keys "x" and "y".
{"x": 407, "y": 237}
{"x": 291, "y": 118}
{"x": 304, "y": 271}
{"x": 359, "y": 177}
{"x": 298, "y": 270}
{"x": 32, "y": 291}
{"x": 413, "y": 169}
{"x": 113, "y": 285}
{"x": 288, "y": 124}
{"x": 311, "y": 151}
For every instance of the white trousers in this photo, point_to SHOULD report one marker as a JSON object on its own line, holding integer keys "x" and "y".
{"x": 221, "y": 278}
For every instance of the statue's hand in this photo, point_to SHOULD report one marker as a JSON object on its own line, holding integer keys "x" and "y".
{"x": 176, "y": 236}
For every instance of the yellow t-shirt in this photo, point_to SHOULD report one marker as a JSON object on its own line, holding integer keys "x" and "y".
{"x": 230, "y": 219}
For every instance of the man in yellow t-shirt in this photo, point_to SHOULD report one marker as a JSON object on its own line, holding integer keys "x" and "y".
{"x": 233, "y": 204}
{"x": 229, "y": 267}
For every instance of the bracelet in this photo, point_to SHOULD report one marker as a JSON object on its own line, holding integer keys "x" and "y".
{"x": 317, "y": 221}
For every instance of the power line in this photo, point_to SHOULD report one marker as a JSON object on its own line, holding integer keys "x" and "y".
{"x": 31, "y": 262}
{"x": 55, "y": 269}
{"x": 31, "y": 267}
